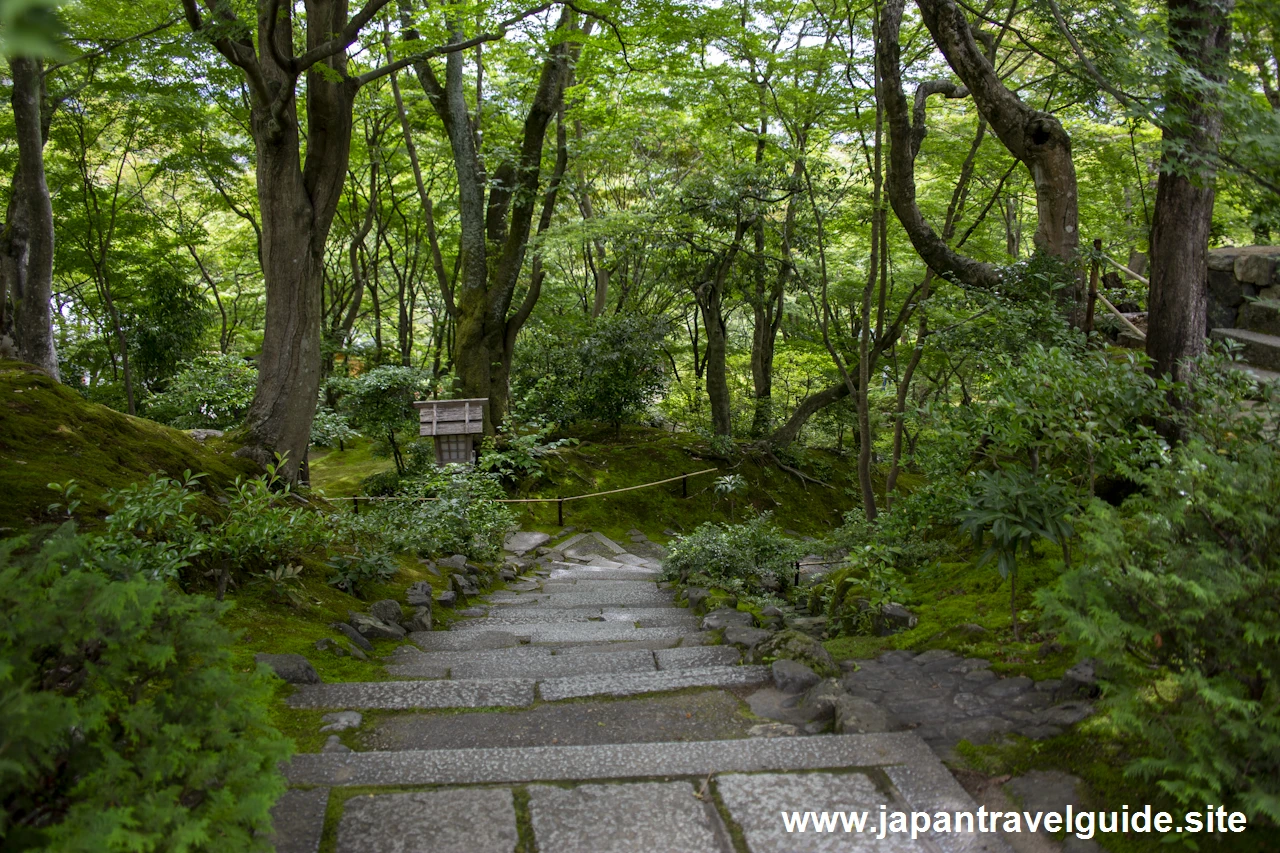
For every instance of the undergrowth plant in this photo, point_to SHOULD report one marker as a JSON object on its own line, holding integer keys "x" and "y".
{"x": 753, "y": 557}
{"x": 125, "y": 725}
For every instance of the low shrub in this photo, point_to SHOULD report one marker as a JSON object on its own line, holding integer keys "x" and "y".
{"x": 125, "y": 725}
{"x": 752, "y": 558}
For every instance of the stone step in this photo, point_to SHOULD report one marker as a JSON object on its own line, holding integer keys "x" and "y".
{"x": 494, "y": 692}
{"x": 635, "y": 684}
{"x": 1260, "y": 349}
{"x": 687, "y": 716}
{"x": 457, "y": 641}
{"x": 659, "y": 796}
{"x": 643, "y": 595}
{"x": 697, "y": 657}
{"x": 1259, "y": 317}
{"x": 549, "y": 666}
{"x": 580, "y": 632}
{"x": 1259, "y": 375}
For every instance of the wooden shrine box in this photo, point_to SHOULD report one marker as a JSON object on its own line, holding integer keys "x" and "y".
{"x": 453, "y": 425}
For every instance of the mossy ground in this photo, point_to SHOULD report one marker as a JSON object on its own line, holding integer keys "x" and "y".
{"x": 50, "y": 434}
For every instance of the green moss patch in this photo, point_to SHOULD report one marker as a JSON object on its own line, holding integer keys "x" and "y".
{"x": 49, "y": 433}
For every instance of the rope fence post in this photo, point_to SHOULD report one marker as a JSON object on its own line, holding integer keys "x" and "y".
{"x": 355, "y": 505}
{"x": 560, "y": 512}
{"x": 684, "y": 486}
{"x": 1093, "y": 286}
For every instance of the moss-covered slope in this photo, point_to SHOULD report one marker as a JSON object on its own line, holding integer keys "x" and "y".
{"x": 50, "y": 434}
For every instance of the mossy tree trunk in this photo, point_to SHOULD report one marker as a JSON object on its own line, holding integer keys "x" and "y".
{"x": 26, "y": 242}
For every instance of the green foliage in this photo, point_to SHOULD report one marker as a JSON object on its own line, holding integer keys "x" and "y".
{"x": 380, "y": 403}
{"x": 1180, "y": 602}
{"x": 353, "y": 573}
{"x": 213, "y": 392}
{"x": 517, "y": 457}
{"x": 611, "y": 370}
{"x": 462, "y": 515}
{"x": 126, "y": 728}
{"x": 329, "y": 429}
{"x": 285, "y": 583}
{"x": 753, "y": 557}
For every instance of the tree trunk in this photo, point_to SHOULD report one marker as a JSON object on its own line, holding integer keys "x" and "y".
{"x": 1200, "y": 32}
{"x": 1036, "y": 138}
{"x": 494, "y": 230}
{"x": 26, "y": 244}
{"x": 717, "y": 372}
{"x": 809, "y": 406}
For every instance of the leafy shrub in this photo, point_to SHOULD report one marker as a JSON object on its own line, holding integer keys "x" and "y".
{"x": 380, "y": 402}
{"x": 328, "y": 428}
{"x": 852, "y": 595}
{"x": 1017, "y": 509}
{"x": 518, "y": 456}
{"x": 213, "y": 392}
{"x": 354, "y": 572}
{"x": 125, "y": 725}
{"x": 380, "y": 484}
{"x": 753, "y": 557}
{"x": 610, "y": 370}
{"x": 1179, "y": 600}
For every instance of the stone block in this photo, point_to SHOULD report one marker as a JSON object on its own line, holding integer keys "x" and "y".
{"x": 387, "y": 611}
{"x": 446, "y": 821}
{"x": 854, "y": 715}
{"x": 419, "y": 594}
{"x": 723, "y": 617}
{"x": 747, "y": 638}
{"x": 375, "y": 629}
{"x": 297, "y": 821}
{"x": 294, "y": 669}
{"x": 353, "y": 635}
{"x": 638, "y": 817}
{"x": 793, "y": 677}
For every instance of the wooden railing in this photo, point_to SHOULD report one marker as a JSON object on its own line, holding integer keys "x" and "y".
{"x": 1094, "y": 295}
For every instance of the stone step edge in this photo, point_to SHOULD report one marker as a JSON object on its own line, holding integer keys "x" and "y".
{"x": 389, "y": 694}
{"x": 919, "y": 776}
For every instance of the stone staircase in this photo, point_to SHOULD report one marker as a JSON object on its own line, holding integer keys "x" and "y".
{"x": 581, "y": 710}
{"x": 1237, "y": 277}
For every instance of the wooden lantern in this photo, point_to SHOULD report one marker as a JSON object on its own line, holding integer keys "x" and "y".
{"x": 452, "y": 425}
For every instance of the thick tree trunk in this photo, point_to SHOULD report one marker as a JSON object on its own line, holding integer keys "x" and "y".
{"x": 26, "y": 244}
{"x": 1200, "y": 31}
{"x": 716, "y": 369}
{"x": 1036, "y": 138}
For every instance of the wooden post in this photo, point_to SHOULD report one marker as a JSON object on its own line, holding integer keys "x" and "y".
{"x": 355, "y": 505}
{"x": 560, "y": 511}
{"x": 684, "y": 486}
{"x": 1093, "y": 287}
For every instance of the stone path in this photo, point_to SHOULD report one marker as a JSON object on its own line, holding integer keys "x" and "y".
{"x": 581, "y": 710}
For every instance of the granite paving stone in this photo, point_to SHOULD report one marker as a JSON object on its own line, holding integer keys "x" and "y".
{"x": 514, "y": 692}
{"x": 700, "y": 716}
{"x": 697, "y": 656}
{"x": 454, "y": 641}
{"x": 298, "y": 820}
{"x": 500, "y": 619}
{"x": 580, "y": 632}
{"x": 756, "y": 803}
{"x": 448, "y": 821}
{"x": 519, "y": 543}
{"x": 555, "y": 689}
{"x": 626, "y": 761}
{"x": 638, "y": 817}
{"x": 558, "y": 666}
{"x": 642, "y": 595}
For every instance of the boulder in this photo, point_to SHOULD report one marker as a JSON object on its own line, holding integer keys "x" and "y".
{"x": 448, "y": 598}
{"x": 821, "y": 699}
{"x": 697, "y": 598}
{"x": 419, "y": 594}
{"x": 457, "y": 562}
{"x": 462, "y": 585}
{"x": 340, "y": 721}
{"x": 793, "y": 645}
{"x": 747, "y": 637}
{"x": 507, "y": 575}
{"x": 341, "y": 649}
{"x": 894, "y": 618}
{"x": 375, "y": 629}
{"x": 294, "y": 669}
{"x": 723, "y": 617}
{"x": 862, "y": 716}
{"x": 430, "y": 567}
{"x": 791, "y": 676}
{"x": 421, "y": 620}
{"x": 353, "y": 635}
{"x": 524, "y": 541}
{"x": 1081, "y": 681}
{"x": 387, "y": 611}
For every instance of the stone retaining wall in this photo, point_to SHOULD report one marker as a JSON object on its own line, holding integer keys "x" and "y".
{"x": 1238, "y": 272}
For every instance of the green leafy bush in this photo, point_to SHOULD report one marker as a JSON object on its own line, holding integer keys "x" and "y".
{"x": 125, "y": 726}
{"x": 380, "y": 403}
{"x": 1179, "y": 600}
{"x": 328, "y": 428}
{"x": 517, "y": 457}
{"x": 753, "y": 557}
{"x": 213, "y": 392}
{"x": 462, "y": 517}
{"x": 354, "y": 572}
